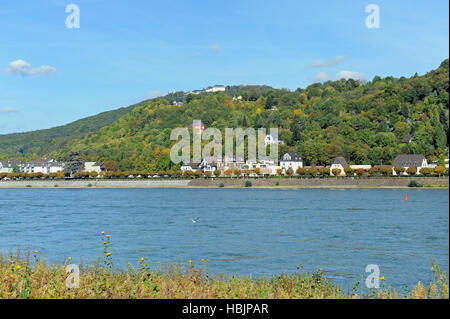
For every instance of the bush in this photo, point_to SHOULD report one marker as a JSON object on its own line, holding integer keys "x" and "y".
{"x": 221, "y": 185}
{"x": 248, "y": 184}
{"x": 414, "y": 184}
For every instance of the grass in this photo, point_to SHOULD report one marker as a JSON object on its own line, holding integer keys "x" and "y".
{"x": 30, "y": 277}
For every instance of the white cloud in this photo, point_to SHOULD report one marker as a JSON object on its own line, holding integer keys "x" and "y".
{"x": 215, "y": 48}
{"x": 320, "y": 77}
{"x": 333, "y": 62}
{"x": 21, "y": 67}
{"x": 344, "y": 74}
{"x": 8, "y": 110}
{"x": 154, "y": 94}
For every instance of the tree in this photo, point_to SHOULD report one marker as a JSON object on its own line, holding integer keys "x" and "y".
{"x": 349, "y": 171}
{"x": 217, "y": 172}
{"x": 228, "y": 172}
{"x": 386, "y": 170}
{"x": 360, "y": 172}
{"x": 74, "y": 163}
{"x": 440, "y": 170}
{"x": 336, "y": 171}
{"x": 279, "y": 171}
{"x": 110, "y": 166}
{"x": 237, "y": 172}
{"x": 426, "y": 171}
{"x": 399, "y": 169}
{"x": 93, "y": 174}
{"x": 301, "y": 171}
{"x": 289, "y": 172}
{"x": 312, "y": 171}
{"x": 373, "y": 171}
{"x": 188, "y": 173}
{"x": 411, "y": 170}
{"x": 257, "y": 171}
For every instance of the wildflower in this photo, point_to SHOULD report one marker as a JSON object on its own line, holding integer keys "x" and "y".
{"x": 70, "y": 258}
{"x": 8, "y": 293}
{"x": 18, "y": 267}
{"x": 105, "y": 242}
{"x": 189, "y": 261}
{"x": 36, "y": 251}
{"x": 142, "y": 259}
{"x": 382, "y": 278}
{"x": 103, "y": 232}
{"x": 108, "y": 236}
{"x": 108, "y": 254}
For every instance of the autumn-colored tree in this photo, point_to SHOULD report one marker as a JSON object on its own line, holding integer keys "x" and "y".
{"x": 312, "y": 171}
{"x": 93, "y": 174}
{"x": 324, "y": 171}
{"x": 60, "y": 174}
{"x": 247, "y": 172}
{"x": 426, "y": 171}
{"x": 208, "y": 174}
{"x": 111, "y": 166}
{"x": 237, "y": 172}
{"x": 399, "y": 169}
{"x": 301, "y": 171}
{"x": 373, "y": 171}
{"x": 349, "y": 171}
{"x": 360, "y": 172}
{"x": 257, "y": 171}
{"x": 198, "y": 173}
{"x": 188, "y": 173}
{"x": 279, "y": 171}
{"x": 228, "y": 172}
{"x": 217, "y": 172}
{"x": 178, "y": 173}
{"x": 290, "y": 172}
{"x": 440, "y": 170}
{"x": 411, "y": 170}
{"x": 386, "y": 170}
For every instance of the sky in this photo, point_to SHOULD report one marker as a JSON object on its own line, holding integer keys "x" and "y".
{"x": 127, "y": 51}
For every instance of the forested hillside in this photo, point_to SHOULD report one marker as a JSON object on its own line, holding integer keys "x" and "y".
{"x": 365, "y": 123}
{"x": 36, "y": 144}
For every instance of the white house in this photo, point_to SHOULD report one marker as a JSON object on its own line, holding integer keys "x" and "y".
{"x": 291, "y": 160}
{"x": 272, "y": 139}
{"x": 94, "y": 167}
{"x": 339, "y": 163}
{"x": 8, "y": 166}
{"x": 407, "y": 160}
{"x": 215, "y": 88}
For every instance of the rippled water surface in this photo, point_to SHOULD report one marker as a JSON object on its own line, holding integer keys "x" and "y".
{"x": 243, "y": 231}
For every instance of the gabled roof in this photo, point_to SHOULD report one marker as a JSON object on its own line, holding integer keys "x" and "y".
{"x": 407, "y": 160}
{"x": 294, "y": 157}
{"x": 340, "y": 160}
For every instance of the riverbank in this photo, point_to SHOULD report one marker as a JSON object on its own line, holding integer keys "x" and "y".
{"x": 21, "y": 279}
{"x": 373, "y": 182}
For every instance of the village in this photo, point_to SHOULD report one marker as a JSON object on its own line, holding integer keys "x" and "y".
{"x": 291, "y": 164}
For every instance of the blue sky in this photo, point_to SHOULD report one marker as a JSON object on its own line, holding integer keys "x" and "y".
{"x": 126, "y": 51}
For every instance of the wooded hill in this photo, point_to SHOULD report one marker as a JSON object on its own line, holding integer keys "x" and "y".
{"x": 366, "y": 123}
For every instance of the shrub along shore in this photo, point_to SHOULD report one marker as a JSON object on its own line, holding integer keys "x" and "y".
{"x": 30, "y": 277}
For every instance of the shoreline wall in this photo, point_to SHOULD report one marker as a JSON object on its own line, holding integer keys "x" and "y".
{"x": 232, "y": 182}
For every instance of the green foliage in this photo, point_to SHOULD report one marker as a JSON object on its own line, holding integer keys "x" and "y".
{"x": 365, "y": 123}
{"x": 414, "y": 184}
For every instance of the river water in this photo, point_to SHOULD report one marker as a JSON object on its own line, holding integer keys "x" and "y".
{"x": 241, "y": 231}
